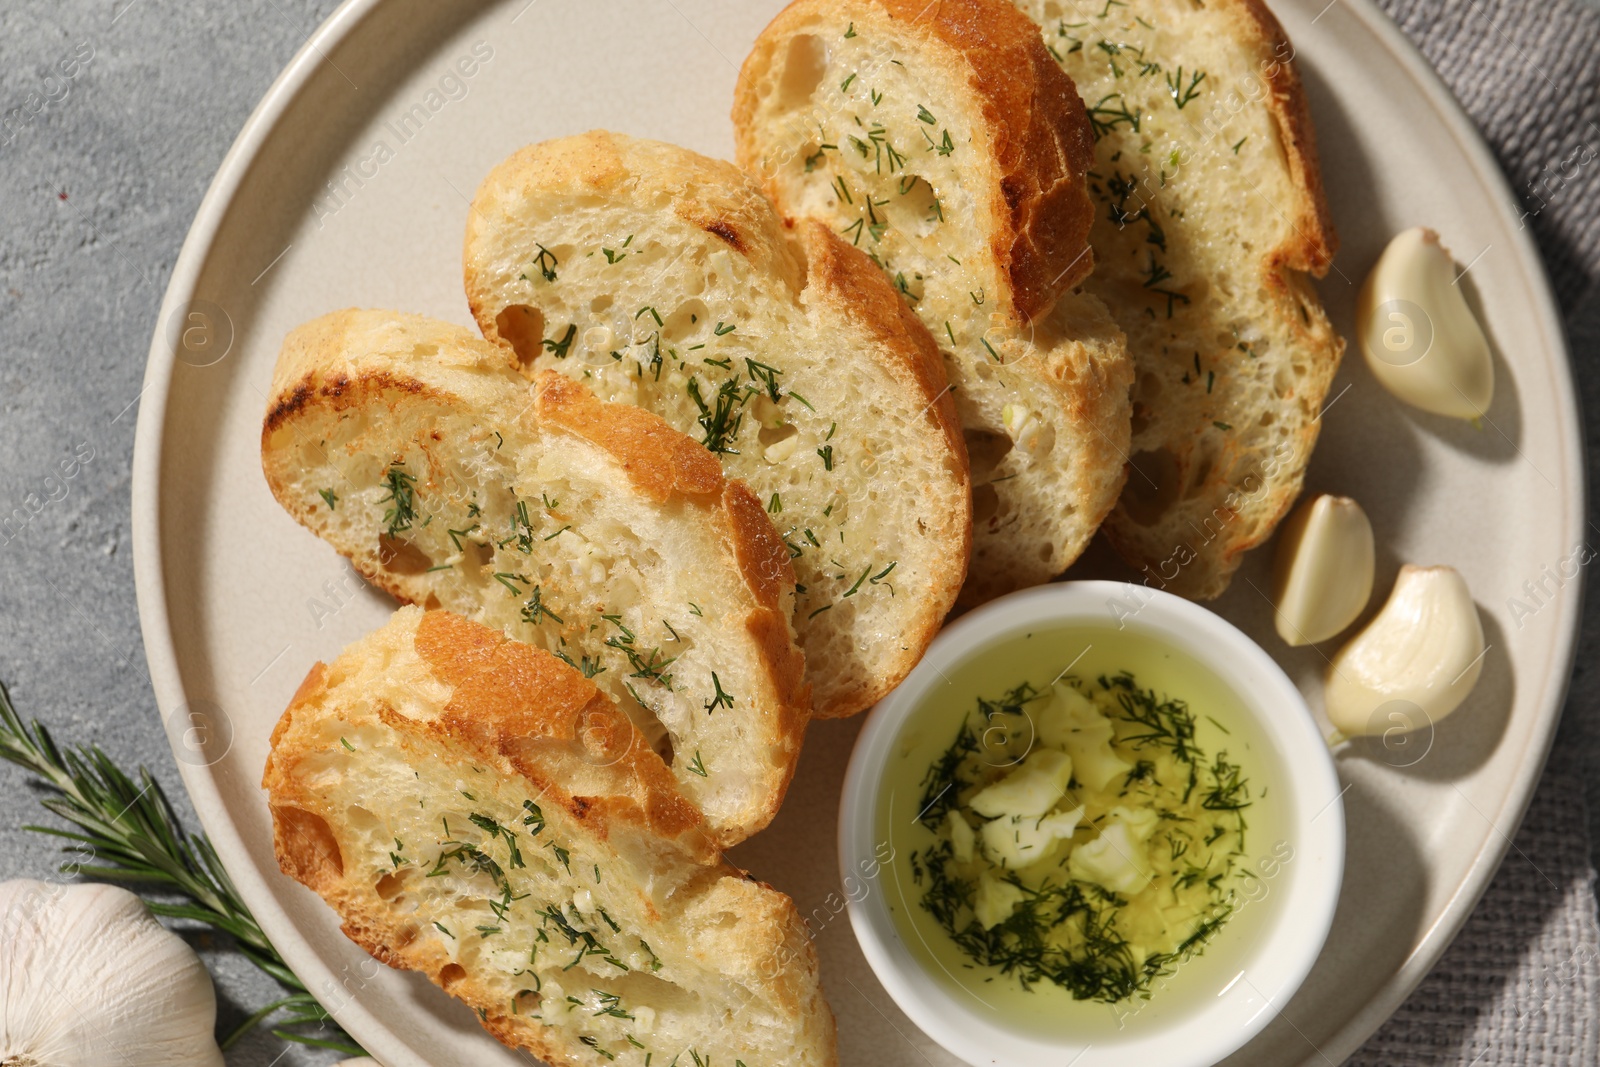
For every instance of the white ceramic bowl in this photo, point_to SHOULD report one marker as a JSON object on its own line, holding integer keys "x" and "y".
{"x": 1282, "y": 940}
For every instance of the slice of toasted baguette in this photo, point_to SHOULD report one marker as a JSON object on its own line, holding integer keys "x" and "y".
{"x": 476, "y": 810}
{"x": 1210, "y": 213}
{"x": 594, "y": 531}
{"x": 664, "y": 279}
{"x": 943, "y": 140}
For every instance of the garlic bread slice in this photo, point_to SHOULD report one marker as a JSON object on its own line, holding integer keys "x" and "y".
{"x": 664, "y": 279}
{"x": 594, "y": 531}
{"x": 1210, "y": 221}
{"x": 942, "y": 140}
{"x": 478, "y": 811}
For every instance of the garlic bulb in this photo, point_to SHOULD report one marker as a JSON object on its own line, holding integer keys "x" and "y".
{"x": 89, "y": 979}
{"x": 1421, "y": 340}
{"x": 1423, "y": 651}
{"x": 1322, "y": 574}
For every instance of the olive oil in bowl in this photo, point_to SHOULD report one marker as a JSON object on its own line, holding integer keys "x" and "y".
{"x": 1087, "y": 824}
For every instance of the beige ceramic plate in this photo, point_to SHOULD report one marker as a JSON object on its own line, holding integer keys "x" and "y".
{"x": 349, "y": 186}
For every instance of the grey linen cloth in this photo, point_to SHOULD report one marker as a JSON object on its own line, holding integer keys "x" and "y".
{"x": 1521, "y": 984}
{"x": 97, "y": 188}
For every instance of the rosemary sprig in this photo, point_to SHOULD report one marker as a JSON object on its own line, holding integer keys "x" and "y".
{"x": 133, "y": 832}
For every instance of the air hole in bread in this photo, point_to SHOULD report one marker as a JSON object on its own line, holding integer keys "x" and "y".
{"x": 803, "y": 70}
{"x": 1149, "y": 386}
{"x": 400, "y": 556}
{"x": 601, "y": 303}
{"x": 1141, "y": 419}
{"x": 425, "y": 350}
{"x": 985, "y": 503}
{"x": 308, "y": 851}
{"x": 985, "y": 450}
{"x": 450, "y": 974}
{"x": 393, "y": 884}
{"x": 1046, "y": 551}
{"x": 918, "y": 200}
{"x": 685, "y": 322}
{"x": 1153, "y": 487}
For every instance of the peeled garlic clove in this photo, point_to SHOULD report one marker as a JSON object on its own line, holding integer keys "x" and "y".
{"x": 1322, "y": 574}
{"x": 1425, "y": 649}
{"x": 89, "y": 979}
{"x": 1420, "y": 338}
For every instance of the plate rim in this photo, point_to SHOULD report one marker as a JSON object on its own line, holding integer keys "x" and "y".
{"x": 1436, "y": 940}
{"x": 149, "y": 446}
{"x": 162, "y": 657}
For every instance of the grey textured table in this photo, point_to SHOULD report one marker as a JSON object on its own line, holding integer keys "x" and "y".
{"x": 101, "y": 173}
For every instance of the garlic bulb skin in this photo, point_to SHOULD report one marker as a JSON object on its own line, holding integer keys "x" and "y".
{"x": 1322, "y": 573}
{"x": 88, "y": 978}
{"x": 1421, "y": 340}
{"x": 1424, "y": 648}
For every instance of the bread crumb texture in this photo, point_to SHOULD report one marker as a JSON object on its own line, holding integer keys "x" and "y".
{"x": 476, "y": 810}
{"x": 1209, "y": 220}
{"x": 664, "y": 280}
{"x": 591, "y": 530}
{"x": 944, "y": 142}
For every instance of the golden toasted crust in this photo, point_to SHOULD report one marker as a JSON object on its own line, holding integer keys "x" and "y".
{"x": 659, "y": 460}
{"x": 1043, "y": 142}
{"x": 329, "y": 351}
{"x": 710, "y": 194}
{"x": 1213, "y": 472}
{"x": 805, "y": 302}
{"x": 991, "y": 265}
{"x": 526, "y": 727}
{"x": 305, "y": 847}
{"x": 338, "y": 363}
{"x": 763, "y": 559}
{"x": 514, "y": 702}
{"x": 1316, "y": 240}
{"x": 764, "y": 562}
{"x": 844, "y": 276}
{"x": 376, "y": 367}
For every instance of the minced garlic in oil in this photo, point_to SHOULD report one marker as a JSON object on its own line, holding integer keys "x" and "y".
{"x": 1081, "y": 837}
